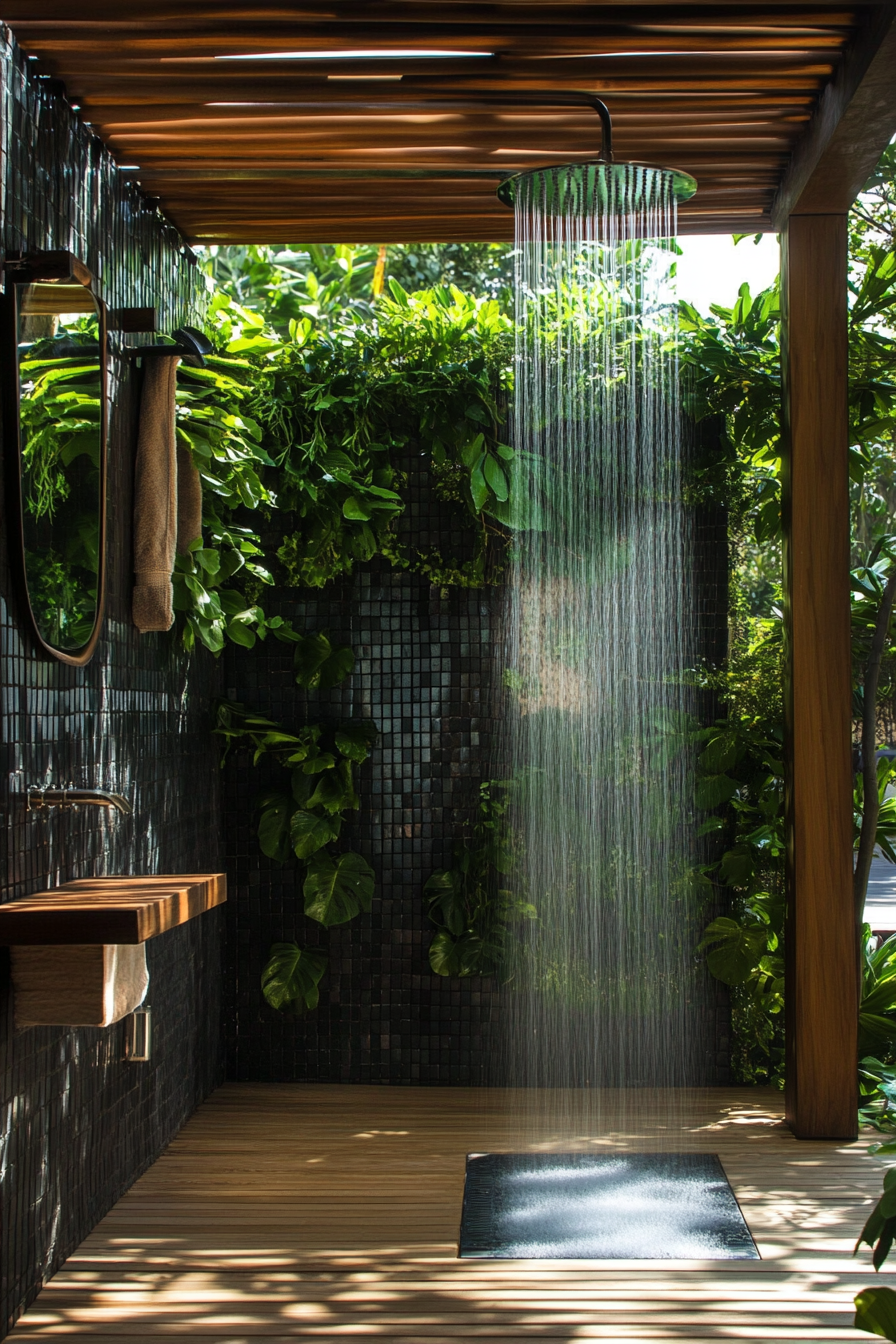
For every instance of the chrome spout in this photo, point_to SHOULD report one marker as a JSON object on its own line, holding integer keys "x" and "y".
{"x": 39, "y": 797}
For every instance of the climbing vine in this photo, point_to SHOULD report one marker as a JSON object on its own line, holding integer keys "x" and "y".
{"x": 302, "y": 817}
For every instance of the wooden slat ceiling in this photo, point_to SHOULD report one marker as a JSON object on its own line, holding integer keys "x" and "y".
{"x": 313, "y": 150}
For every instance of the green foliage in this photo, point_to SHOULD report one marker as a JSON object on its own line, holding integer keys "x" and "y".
{"x": 319, "y": 665}
{"x": 877, "y": 1014}
{"x": 471, "y": 904}
{"x": 317, "y": 393}
{"x": 289, "y": 981}
{"x": 876, "y": 1307}
{"x": 306, "y": 814}
{"x": 60, "y": 411}
{"x": 733, "y": 365}
{"x": 303, "y": 817}
{"x": 477, "y": 268}
{"x": 326, "y": 283}
{"x": 217, "y": 583}
{"x": 337, "y": 890}
{"x": 338, "y": 414}
{"x": 291, "y": 289}
{"x": 876, "y": 1312}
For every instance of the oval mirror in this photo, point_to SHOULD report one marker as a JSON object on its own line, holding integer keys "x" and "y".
{"x": 55, "y": 423}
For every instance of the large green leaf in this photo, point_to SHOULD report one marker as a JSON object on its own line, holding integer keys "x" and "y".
{"x": 309, "y": 833}
{"x": 876, "y": 1312}
{"x": 713, "y": 790}
{"x": 446, "y": 902}
{"x": 459, "y": 957}
{"x": 289, "y": 981}
{"x": 335, "y": 791}
{"x": 732, "y": 950}
{"x": 355, "y": 740}
{"x": 719, "y": 754}
{"x": 320, "y": 664}
{"x": 273, "y": 826}
{"x": 737, "y": 866}
{"x": 494, "y": 475}
{"x": 336, "y": 892}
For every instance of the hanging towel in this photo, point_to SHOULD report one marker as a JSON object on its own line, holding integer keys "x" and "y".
{"x": 155, "y": 497}
{"x": 189, "y": 501}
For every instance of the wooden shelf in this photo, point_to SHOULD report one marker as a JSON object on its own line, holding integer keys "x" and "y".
{"x": 109, "y": 909}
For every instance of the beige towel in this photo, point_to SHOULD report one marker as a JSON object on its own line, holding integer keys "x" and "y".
{"x": 168, "y": 498}
{"x": 189, "y": 501}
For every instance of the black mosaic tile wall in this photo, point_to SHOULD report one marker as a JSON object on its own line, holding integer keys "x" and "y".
{"x": 78, "y": 1123}
{"x": 423, "y": 676}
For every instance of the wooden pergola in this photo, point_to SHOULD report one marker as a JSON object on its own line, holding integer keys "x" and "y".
{"x": 353, "y": 122}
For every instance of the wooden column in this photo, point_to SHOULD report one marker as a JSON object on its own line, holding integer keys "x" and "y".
{"x": 822, "y": 995}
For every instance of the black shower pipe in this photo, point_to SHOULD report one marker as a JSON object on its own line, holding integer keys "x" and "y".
{"x": 537, "y": 98}
{"x": 513, "y": 98}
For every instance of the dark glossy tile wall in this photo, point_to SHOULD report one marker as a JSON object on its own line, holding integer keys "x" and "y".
{"x": 78, "y": 1123}
{"x": 423, "y": 675}
{"x": 426, "y": 675}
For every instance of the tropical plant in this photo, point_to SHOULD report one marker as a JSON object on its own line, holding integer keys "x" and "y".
{"x": 316, "y": 426}
{"x": 876, "y": 1307}
{"x": 218, "y": 581}
{"x": 328, "y": 282}
{"x": 290, "y": 979}
{"x": 341, "y": 416}
{"x": 471, "y": 904}
{"x": 733, "y": 361}
{"x": 303, "y": 817}
{"x": 60, "y": 411}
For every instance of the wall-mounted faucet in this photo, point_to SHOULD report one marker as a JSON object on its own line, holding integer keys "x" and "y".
{"x": 39, "y": 797}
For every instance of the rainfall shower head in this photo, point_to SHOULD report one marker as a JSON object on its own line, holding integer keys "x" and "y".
{"x": 571, "y": 188}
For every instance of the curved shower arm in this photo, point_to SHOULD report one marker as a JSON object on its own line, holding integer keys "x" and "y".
{"x": 553, "y": 98}
{"x": 568, "y": 97}
{"x": 534, "y": 98}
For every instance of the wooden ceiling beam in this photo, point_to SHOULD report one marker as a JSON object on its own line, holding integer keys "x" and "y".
{"x": 173, "y": 17}
{"x": 852, "y": 125}
{"x": 535, "y": 44}
{"x": 724, "y": 90}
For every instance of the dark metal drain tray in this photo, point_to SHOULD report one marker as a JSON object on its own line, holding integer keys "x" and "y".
{"x": 584, "y": 1206}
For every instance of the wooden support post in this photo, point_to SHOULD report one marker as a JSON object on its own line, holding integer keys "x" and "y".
{"x": 822, "y": 993}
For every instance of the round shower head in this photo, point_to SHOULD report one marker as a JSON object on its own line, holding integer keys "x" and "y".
{"x": 580, "y": 188}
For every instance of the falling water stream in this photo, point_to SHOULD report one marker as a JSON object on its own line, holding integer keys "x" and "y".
{"x": 602, "y": 993}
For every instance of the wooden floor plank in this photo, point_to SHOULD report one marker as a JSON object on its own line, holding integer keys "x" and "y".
{"x": 331, "y": 1213}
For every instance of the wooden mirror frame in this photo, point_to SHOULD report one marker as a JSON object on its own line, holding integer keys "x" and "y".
{"x": 30, "y": 268}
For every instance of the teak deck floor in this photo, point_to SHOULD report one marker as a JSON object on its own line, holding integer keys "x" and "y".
{"x": 315, "y": 1212}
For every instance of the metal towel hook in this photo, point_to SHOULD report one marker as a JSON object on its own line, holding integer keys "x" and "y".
{"x": 191, "y": 344}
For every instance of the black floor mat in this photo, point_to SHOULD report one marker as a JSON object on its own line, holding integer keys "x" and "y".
{"x": 580, "y": 1206}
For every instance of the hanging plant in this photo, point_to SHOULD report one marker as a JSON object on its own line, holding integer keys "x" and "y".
{"x": 303, "y": 817}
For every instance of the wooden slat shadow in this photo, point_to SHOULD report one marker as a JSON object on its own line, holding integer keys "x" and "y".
{"x": 723, "y": 91}
{"x": 326, "y": 1212}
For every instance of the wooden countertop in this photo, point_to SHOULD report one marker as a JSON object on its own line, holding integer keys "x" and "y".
{"x": 109, "y": 909}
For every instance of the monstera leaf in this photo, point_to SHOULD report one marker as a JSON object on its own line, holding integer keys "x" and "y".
{"x": 290, "y": 979}
{"x": 446, "y": 902}
{"x": 336, "y": 891}
{"x": 335, "y": 790}
{"x": 309, "y": 833}
{"x": 273, "y": 826}
{"x": 319, "y": 664}
{"x": 355, "y": 740}
{"x": 462, "y": 956}
{"x": 732, "y": 950}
